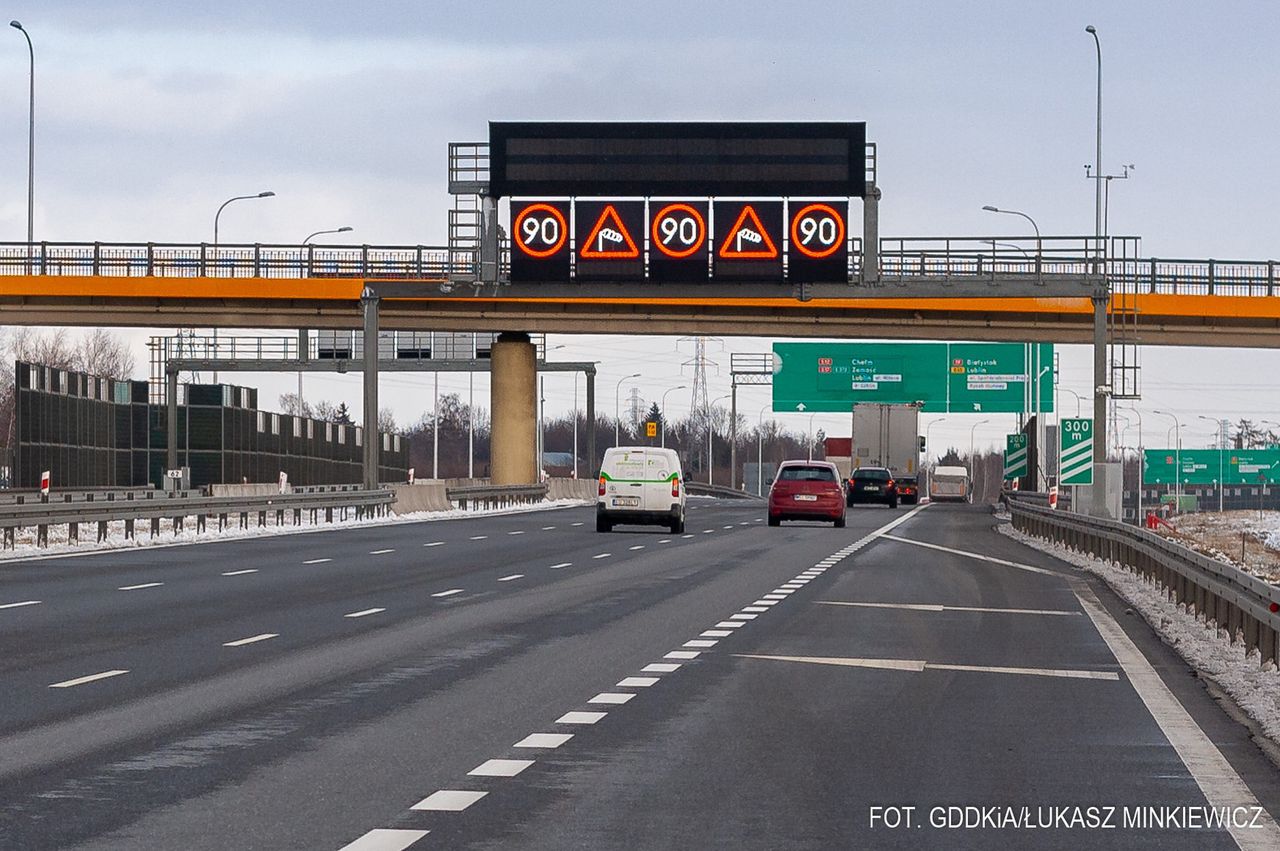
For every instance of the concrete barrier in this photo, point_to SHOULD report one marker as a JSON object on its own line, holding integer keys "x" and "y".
{"x": 584, "y": 489}
{"x": 260, "y": 489}
{"x": 420, "y": 496}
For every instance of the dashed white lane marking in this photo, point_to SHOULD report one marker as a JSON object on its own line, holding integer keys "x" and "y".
{"x": 380, "y": 552}
{"x": 385, "y": 839}
{"x": 479, "y": 537}
{"x": 686, "y": 537}
{"x": 253, "y": 639}
{"x": 543, "y": 740}
{"x": 448, "y": 593}
{"x": 774, "y": 597}
{"x": 759, "y": 520}
{"x": 581, "y": 717}
{"x": 756, "y": 609}
{"x": 140, "y": 587}
{"x": 743, "y": 617}
{"x": 317, "y": 560}
{"x": 516, "y": 532}
{"x": 449, "y": 800}
{"x": 637, "y": 547}
{"x": 612, "y": 698}
{"x": 929, "y": 607}
{"x": 716, "y": 633}
{"x": 637, "y": 682}
{"x": 500, "y": 767}
{"x": 921, "y": 665}
{"x": 782, "y": 592}
{"x": 19, "y": 605}
{"x": 744, "y": 523}
{"x": 434, "y": 544}
{"x": 512, "y": 578}
{"x": 682, "y": 654}
{"x": 561, "y": 564}
{"x": 363, "y": 613}
{"x": 660, "y": 668}
{"x": 766, "y": 602}
{"x": 730, "y": 625}
{"x": 547, "y": 528}
{"x": 1215, "y": 776}
{"x": 79, "y": 681}
{"x": 698, "y": 642}
{"x": 665, "y": 541}
{"x": 576, "y": 524}
{"x": 975, "y": 556}
{"x": 235, "y": 572}
{"x": 707, "y": 531}
{"x": 730, "y": 526}
{"x": 602, "y": 555}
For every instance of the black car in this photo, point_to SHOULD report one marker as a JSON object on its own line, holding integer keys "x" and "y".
{"x": 908, "y": 490}
{"x": 872, "y": 484}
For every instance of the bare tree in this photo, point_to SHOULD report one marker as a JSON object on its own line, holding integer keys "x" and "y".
{"x": 386, "y": 421}
{"x": 102, "y": 353}
{"x": 289, "y": 405}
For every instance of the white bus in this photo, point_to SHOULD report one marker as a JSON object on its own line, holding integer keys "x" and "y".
{"x": 950, "y": 484}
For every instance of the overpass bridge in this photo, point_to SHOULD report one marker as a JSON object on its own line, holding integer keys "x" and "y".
{"x": 943, "y": 288}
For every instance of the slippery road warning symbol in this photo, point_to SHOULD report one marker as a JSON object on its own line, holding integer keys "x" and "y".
{"x": 748, "y": 239}
{"x": 609, "y": 238}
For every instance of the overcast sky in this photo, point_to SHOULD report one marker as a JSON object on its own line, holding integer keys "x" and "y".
{"x": 150, "y": 114}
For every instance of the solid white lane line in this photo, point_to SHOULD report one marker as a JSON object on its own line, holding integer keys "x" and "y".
{"x": 512, "y": 577}
{"x": 434, "y": 544}
{"x": 682, "y": 654}
{"x": 743, "y": 617}
{"x": 449, "y": 800}
{"x": 611, "y": 698}
{"x": 660, "y": 668}
{"x": 637, "y": 547}
{"x": 500, "y": 767}
{"x": 637, "y": 682}
{"x": 580, "y": 717}
{"x": 317, "y": 560}
{"x": 385, "y": 839}
{"x": 253, "y": 639}
{"x": 363, "y": 613}
{"x": 602, "y": 555}
{"x": 79, "y": 681}
{"x": 1215, "y": 776}
{"x": 698, "y": 642}
{"x": 975, "y": 556}
{"x": 233, "y": 573}
{"x": 930, "y": 607}
{"x": 716, "y": 633}
{"x": 20, "y": 605}
{"x": 140, "y": 587}
{"x": 561, "y": 564}
{"x": 448, "y": 593}
{"x": 516, "y": 532}
{"x": 730, "y": 625}
{"x": 756, "y": 609}
{"x": 543, "y": 740}
{"x": 921, "y": 665}
{"x": 380, "y": 552}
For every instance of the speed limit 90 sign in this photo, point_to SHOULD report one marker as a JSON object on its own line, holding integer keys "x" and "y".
{"x": 819, "y": 245}
{"x": 540, "y": 241}
{"x": 678, "y": 241}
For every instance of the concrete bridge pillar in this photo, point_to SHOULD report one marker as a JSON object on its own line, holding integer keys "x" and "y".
{"x": 513, "y": 402}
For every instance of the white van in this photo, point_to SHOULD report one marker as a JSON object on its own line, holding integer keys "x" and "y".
{"x": 640, "y": 484}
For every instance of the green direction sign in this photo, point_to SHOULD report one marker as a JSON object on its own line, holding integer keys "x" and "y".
{"x": 1207, "y": 466}
{"x": 946, "y": 377}
{"x": 1075, "y": 452}
{"x": 1015, "y": 456}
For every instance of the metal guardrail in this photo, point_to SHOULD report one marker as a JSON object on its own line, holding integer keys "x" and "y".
{"x": 704, "y": 489}
{"x": 901, "y": 258}
{"x": 157, "y": 506}
{"x": 1220, "y": 594}
{"x": 495, "y": 496}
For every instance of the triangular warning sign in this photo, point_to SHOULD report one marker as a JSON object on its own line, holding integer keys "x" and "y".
{"x": 609, "y": 239}
{"x": 748, "y": 239}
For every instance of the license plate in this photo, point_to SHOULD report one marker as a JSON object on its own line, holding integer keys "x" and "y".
{"x": 626, "y": 501}
{"x": 806, "y": 497}
{"x": 872, "y": 488}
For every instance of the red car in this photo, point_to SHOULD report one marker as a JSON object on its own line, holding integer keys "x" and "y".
{"x": 807, "y": 490}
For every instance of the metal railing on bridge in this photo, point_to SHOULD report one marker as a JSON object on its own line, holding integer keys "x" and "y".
{"x": 902, "y": 259}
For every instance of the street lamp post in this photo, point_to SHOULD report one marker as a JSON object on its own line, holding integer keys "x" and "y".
{"x": 617, "y": 408}
{"x": 302, "y": 335}
{"x": 1142, "y": 462}
{"x": 928, "y": 449}
{"x": 1097, "y": 201}
{"x": 306, "y": 244}
{"x": 663, "y": 411}
{"x": 31, "y": 151}
{"x": 711, "y": 467}
{"x": 760, "y": 450}
{"x": 1221, "y": 441}
{"x": 218, "y": 214}
{"x": 1036, "y": 227}
{"x": 810, "y": 441}
{"x": 1177, "y": 457}
{"x": 972, "y": 460}
{"x": 1078, "y": 399}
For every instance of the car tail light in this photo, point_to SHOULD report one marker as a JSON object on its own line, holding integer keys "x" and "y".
{"x": 890, "y": 484}
{"x": 600, "y": 492}
{"x": 675, "y": 486}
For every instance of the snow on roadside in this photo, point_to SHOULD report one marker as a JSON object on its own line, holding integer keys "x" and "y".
{"x": 1255, "y": 688}
{"x": 26, "y": 548}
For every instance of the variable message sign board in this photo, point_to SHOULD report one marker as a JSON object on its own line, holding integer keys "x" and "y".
{"x": 540, "y": 241}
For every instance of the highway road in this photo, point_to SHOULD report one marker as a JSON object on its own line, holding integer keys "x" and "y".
{"x": 522, "y": 682}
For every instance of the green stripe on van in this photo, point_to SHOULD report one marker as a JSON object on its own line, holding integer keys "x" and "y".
{"x": 669, "y": 478}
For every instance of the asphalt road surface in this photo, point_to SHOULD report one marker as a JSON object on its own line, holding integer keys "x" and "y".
{"x": 522, "y": 682}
